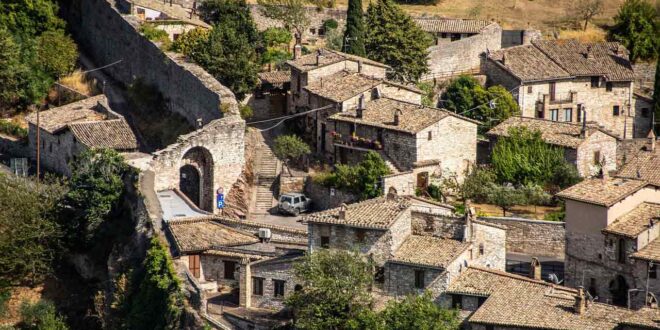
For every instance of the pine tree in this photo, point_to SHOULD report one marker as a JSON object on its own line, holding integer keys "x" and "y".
{"x": 354, "y": 34}
{"x": 636, "y": 28}
{"x": 393, "y": 38}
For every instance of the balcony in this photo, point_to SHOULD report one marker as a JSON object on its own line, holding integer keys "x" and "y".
{"x": 356, "y": 142}
{"x": 564, "y": 98}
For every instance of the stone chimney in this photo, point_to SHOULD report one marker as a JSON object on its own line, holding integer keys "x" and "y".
{"x": 391, "y": 194}
{"x": 359, "y": 66}
{"x": 504, "y": 58}
{"x": 652, "y": 141}
{"x": 589, "y": 54}
{"x": 535, "y": 269}
{"x": 342, "y": 211}
{"x": 319, "y": 56}
{"x": 580, "y": 302}
{"x": 397, "y": 115}
{"x": 297, "y": 51}
{"x": 360, "y": 106}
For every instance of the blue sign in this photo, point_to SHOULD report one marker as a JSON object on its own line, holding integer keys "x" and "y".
{"x": 221, "y": 201}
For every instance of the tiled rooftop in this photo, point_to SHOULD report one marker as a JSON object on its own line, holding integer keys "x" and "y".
{"x": 380, "y": 113}
{"x": 650, "y": 252}
{"x": 113, "y": 134}
{"x": 275, "y": 78}
{"x": 645, "y": 318}
{"x": 451, "y": 25}
{"x": 429, "y": 251}
{"x": 309, "y": 62}
{"x": 553, "y": 132}
{"x": 516, "y": 301}
{"x": 604, "y": 192}
{"x": 634, "y": 222}
{"x": 175, "y": 12}
{"x": 645, "y": 165}
{"x": 55, "y": 119}
{"x": 554, "y": 59}
{"x": 342, "y": 86}
{"x": 203, "y": 234}
{"x": 377, "y": 213}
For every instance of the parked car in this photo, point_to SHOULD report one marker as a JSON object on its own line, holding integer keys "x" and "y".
{"x": 294, "y": 204}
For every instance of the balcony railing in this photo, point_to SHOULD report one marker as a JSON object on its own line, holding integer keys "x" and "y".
{"x": 569, "y": 97}
{"x": 358, "y": 142}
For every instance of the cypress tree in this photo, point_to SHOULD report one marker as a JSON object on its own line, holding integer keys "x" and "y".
{"x": 354, "y": 35}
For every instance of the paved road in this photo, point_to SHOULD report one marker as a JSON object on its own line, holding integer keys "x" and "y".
{"x": 173, "y": 206}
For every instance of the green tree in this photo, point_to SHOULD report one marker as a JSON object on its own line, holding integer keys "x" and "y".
{"x": 336, "y": 286}
{"x": 41, "y": 316}
{"x": 29, "y": 234}
{"x": 190, "y": 41}
{"x": 505, "y": 196}
{"x": 393, "y": 38}
{"x": 362, "y": 179}
{"x": 354, "y": 33}
{"x": 524, "y": 158}
{"x": 28, "y": 18}
{"x": 96, "y": 187}
{"x": 585, "y": 10}
{"x": 292, "y": 13}
{"x": 57, "y": 53}
{"x": 637, "y": 28}
{"x": 232, "y": 14}
{"x": 12, "y": 70}
{"x": 290, "y": 147}
{"x": 157, "y": 302}
{"x": 491, "y": 106}
{"x": 419, "y": 312}
{"x": 277, "y": 42}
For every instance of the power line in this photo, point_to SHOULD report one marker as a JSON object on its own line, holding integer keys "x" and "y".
{"x": 103, "y": 67}
{"x": 282, "y": 119}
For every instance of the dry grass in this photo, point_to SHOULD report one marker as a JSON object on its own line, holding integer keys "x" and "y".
{"x": 592, "y": 34}
{"x": 19, "y": 295}
{"x": 524, "y": 211}
{"x": 80, "y": 82}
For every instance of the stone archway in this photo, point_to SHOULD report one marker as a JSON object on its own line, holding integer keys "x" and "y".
{"x": 196, "y": 177}
{"x": 619, "y": 290}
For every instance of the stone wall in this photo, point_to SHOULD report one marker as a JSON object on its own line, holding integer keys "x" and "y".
{"x": 489, "y": 248}
{"x": 463, "y": 55}
{"x": 324, "y": 198}
{"x": 602, "y": 143}
{"x": 403, "y": 182}
{"x": 400, "y": 280}
{"x": 445, "y": 226}
{"x": 270, "y": 270}
{"x": 532, "y": 237}
{"x": 279, "y": 233}
{"x": 108, "y": 36}
{"x": 292, "y": 183}
{"x": 56, "y": 151}
{"x": 14, "y": 147}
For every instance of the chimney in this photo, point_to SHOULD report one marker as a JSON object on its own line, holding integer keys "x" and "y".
{"x": 397, "y": 115}
{"x": 360, "y": 107}
{"x": 319, "y": 56}
{"x": 580, "y": 301}
{"x": 342, "y": 211}
{"x": 504, "y": 58}
{"x": 652, "y": 138}
{"x": 297, "y": 51}
{"x": 589, "y": 54}
{"x": 359, "y": 66}
{"x": 535, "y": 269}
{"x": 391, "y": 194}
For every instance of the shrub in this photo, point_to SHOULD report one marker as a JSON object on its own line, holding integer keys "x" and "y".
{"x": 330, "y": 24}
{"x": 156, "y": 35}
{"x": 290, "y": 147}
{"x": 189, "y": 41}
{"x": 13, "y": 129}
{"x": 246, "y": 111}
{"x": 362, "y": 179}
{"x": 41, "y": 316}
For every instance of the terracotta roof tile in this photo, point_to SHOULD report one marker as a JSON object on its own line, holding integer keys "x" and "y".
{"x": 113, "y": 134}
{"x": 451, "y": 25}
{"x": 634, "y": 222}
{"x": 377, "y": 213}
{"x": 380, "y": 113}
{"x": 553, "y": 132}
{"x": 275, "y": 77}
{"x": 516, "y": 301}
{"x": 646, "y": 318}
{"x": 644, "y": 166}
{"x": 58, "y": 118}
{"x": 604, "y": 192}
{"x": 193, "y": 235}
{"x": 650, "y": 252}
{"x": 309, "y": 62}
{"x": 342, "y": 86}
{"x": 555, "y": 59}
{"x": 429, "y": 251}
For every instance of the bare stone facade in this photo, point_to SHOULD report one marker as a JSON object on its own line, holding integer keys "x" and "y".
{"x": 532, "y": 237}
{"x": 277, "y": 282}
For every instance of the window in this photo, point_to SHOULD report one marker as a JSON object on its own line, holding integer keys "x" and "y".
{"x": 539, "y": 112}
{"x": 653, "y": 271}
{"x": 257, "y": 286}
{"x": 278, "y": 288}
{"x": 325, "y": 242}
{"x": 579, "y": 113}
{"x": 554, "y": 114}
{"x": 321, "y": 31}
{"x": 481, "y": 249}
{"x": 455, "y": 36}
{"x": 430, "y": 137}
{"x": 443, "y": 35}
{"x": 359, "y": 235}
{"x": 645, "y": 112}
{"x": 456, "y": 301}
{"x": 595, "y": 81}
{"x": 616, "y": 110}
{"x": 529, "y": 89}
{"x": 176, "y": 36}
{"x": 596, "y": 157}
{"x": 621, "y": 251}
{"x": 297, "y": 288}
{"x": 312, "y": 31}
{"x": 553, "y": 89}
{"x": 379, "y": 275}
{"x": 193, "y": 265}
{"x": 568, "y": 114}
{"x": 419, "y": 279}
{"x": 592, "y": 287}
{"x": 230, "y": 269}
{"x": 608, "y": 86}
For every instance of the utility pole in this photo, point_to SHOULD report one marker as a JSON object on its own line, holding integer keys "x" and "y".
{"x": 37, "y": 145}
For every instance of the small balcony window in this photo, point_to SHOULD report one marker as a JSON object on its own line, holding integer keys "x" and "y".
{"x": 419, "y": 279}
{"x": 608, "y": 86}
{"x": 616, "y": 110}
{"x": 325, "y": 242}
{"x": 595, "y": 82}
{"x": 257, "y": 286}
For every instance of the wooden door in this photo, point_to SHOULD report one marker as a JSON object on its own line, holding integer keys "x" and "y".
{"x": 193, "y": 265}
{"x": 553, "y": 90}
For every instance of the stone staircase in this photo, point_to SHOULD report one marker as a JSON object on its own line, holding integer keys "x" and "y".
{"x": 394, "y": 169}
{"x": 266, "y": 174}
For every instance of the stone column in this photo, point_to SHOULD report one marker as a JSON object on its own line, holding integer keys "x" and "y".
{"x": 245, "y": 284}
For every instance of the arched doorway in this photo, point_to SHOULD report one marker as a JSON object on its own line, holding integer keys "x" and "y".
{"x": 190, "y": 183}
{"x": 619, "y": 290}
{"x": 196, "y": 177}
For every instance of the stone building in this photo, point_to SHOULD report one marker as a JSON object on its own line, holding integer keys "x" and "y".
{"x": 587, "y": 146}
{"x": 413, "y": 250}
{"x": 315, "y": 32}
{"x": 68, "y": 130}
{"x": 611, "y": 239}
{"x": 569, "y": 81}
{"x": 491, "y": 299}
{"x": 418, "y": 141}
{"x": 459, "y": 44}
{"x": 169, "y": 17}
{"x": 337, "y": 82}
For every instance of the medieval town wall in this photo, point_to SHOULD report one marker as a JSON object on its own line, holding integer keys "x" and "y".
{"x": 107, "y": 36}
{"x": 463, "y": 55}
{"x": 532, "y": 237}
